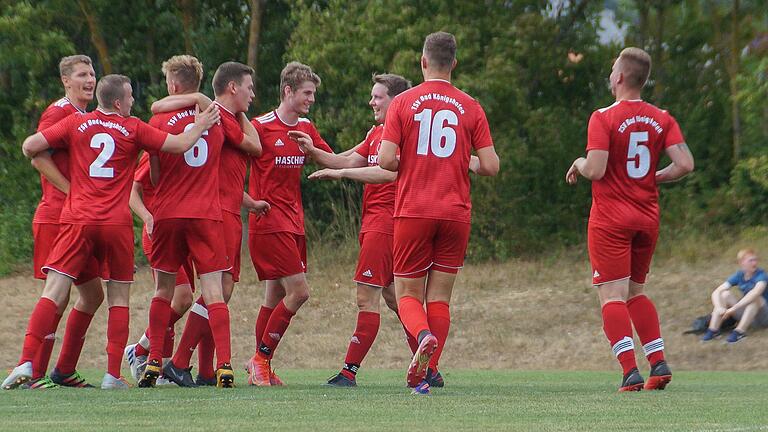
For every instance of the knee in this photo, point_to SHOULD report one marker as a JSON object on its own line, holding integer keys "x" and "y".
{"x": 182, "y": 301}
{"x": 299, "y": 296}
{"x": 367, "y": 303}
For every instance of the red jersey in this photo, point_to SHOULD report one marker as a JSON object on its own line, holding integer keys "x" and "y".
{"x": 103, "y": 149}
{"x": 635, "y": 133}
{"x": 233, "y": 166}
{"x": 378, "y": 199}
{"x": 142, "y": 176}
{"x": 188, "y": 186}
{"x": 52, "y": 200}
{"x": 436, "y": 126}
{"x": 276, "y": 174}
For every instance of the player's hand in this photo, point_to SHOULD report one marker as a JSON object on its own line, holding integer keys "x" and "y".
{"x": 728, "y": 312}
{"x": 719, "y": 311}
{"x": 474, "y": 163}
{"x": 326, "y": 174}
{"x": 303, "y": 140}
{"x": 572, "y": 176}
{"x": 149, "y": 225}
{"x": 259, "y": 207}
{"x": 208, "y": 117}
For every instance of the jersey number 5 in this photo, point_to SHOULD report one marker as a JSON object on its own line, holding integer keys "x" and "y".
{"x": 198, "y": 154}
{"x": 106, "y": 143}
{"x": 434, "y": 134}
{"x": 638, "y": 155}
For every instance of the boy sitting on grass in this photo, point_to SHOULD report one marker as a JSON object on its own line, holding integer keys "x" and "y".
{"x": 751, "y": 307}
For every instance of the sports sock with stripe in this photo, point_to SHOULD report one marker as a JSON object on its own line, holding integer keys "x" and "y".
{"x": 618, "y": 329}
{"x": 276, "y": 326}
{"x": 365, "y": 333}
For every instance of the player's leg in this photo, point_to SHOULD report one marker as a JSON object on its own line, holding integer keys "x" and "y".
{"x": 390, "y": 298}
{"x": 218, "y": 319}
{"x": 136, "y": 354}
{"x": 181, "y": 302}
{"x": 118, "y": 296}
{"x": 728, "y": 299}
{"x": 748, "y": 315}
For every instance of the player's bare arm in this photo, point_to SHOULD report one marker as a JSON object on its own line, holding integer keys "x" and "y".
{"x": 251, "y": 142}
{"x": 388, "y": 156}
{"x": 34, "y": 144}
{"x": 258, "y": 207}
{"x": 487, "y": 162}
{"x": 154, "y": 169}
{"x": 682, "y": 164}
{"x": 328, "y": 160}
{"x": 184, "y": 141}
{"x": 137, "y": 206}
{"x": 370, "y": 175}
{"x": 44, "y": 164}
{"x": 591, "y": 167}
{"x": 179, "y": 101}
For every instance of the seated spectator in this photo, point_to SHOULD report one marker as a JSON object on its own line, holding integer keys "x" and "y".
{"x": 751, "y": 308}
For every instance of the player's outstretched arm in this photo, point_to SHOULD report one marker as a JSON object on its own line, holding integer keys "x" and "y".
{"x": 136, "y": 203}
{"x": 388, "y": 156}
{"x": 184, "y": 141}
{"x": 322, "y": 157}
{"x": 251, "y": 142}
{"x": 34, "y": 144}
{"x": 371, "y": 175}
{"x": 44, "y": 164}
{"x": 488, "y": 162}
{"x": 591, "y": 167}
{"x": 174, "y": 102}
{"x": 682, "y": 164}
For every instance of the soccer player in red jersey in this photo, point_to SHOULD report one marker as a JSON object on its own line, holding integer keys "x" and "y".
{"x": 276, "y": 240}
{"x": 79, "y": 80}
{"x": 189, "y": 219}
{"x": 96, "y": 220}
{"x": 434, "y": 126}
{"x": 624, "y": 144}
{"x": 374, "y": 266}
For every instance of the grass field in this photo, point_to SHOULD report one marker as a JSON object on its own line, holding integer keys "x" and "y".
{"x": 471, "y": 400}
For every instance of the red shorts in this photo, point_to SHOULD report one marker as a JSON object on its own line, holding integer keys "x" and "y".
{"x": 78, "y": 247}
{"x": 186, "y": 271}
{"x": 424, "y": 244}
{"x": 620, "y": 253}
{"x": 44, "y": 235}
{"x": 233, "y": 237}
{"x": 374, "y": 265}
{"x": 174, "y": 240}
{"x": 277, "y": 255}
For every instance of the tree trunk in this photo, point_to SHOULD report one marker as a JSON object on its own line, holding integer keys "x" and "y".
{"x": 254, "y": 35}
{"x": 96, "y": 38}
{"x": 188, "y": 23}
{"x": 658, "y": 88}
{"x": 733, "y": 71}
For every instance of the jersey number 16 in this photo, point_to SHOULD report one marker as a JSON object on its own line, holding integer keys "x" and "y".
{"x": 434, "y": 134}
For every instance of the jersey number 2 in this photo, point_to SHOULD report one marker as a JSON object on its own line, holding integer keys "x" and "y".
{"x": 434, "y": 134}
{"x": 198, "y": 154}
{"x": 638, "y": 155}
{"x": 106, "y": 143}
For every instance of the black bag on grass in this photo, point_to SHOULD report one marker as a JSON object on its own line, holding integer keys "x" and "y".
{"x": 701, "y": 324}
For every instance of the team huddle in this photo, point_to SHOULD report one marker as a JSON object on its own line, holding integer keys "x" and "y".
{"x": 184, "y": 175}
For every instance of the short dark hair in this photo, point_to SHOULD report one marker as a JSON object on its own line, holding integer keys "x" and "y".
{"x": 440, "y": 50}
{"x": 395, "y": 84}
{"x": 111, "y": 88}
{"x": 635, "y": 64}
{"x": 228, "y": 72}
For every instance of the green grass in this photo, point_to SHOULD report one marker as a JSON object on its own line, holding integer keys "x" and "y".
{"x": 472, "y": 400}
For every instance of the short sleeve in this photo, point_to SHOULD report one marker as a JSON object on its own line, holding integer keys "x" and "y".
{"x": 149, "y": 137}
{"x": 156, "y": 121}
{"x": 674, "y": 134}
{"x": 50, "y": 117}
{"x": 318, "y": 141}
{"x": 57, "y": 134}
{"x": 598, "y": 136}
{"x": 761, "y": 277}
{"x": 393, "y": 126}
{"x": 142, "y": 170}
{"x": 481, "y": 135}
{"x": 233, "y": 133}
{"x": 734, "y": 279}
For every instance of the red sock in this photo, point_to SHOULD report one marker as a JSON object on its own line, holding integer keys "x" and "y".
{"x": 618, "y": 329}
{"x": 413, "y": 315}
{"x": 117, "y": 337}
{"x": 159, "y": 313}
{"x": 40, "y": 364}
{"x": 170, "y": 334}
{"x": 196, "y": 326}
{"x": 140, "y": 350}
{"x": 74, "y": 338}
{"x": 439, "y": 318}
{"x": 413, "y": 344}
{"x": 205, "y": 351}
{"x": 261, "y": 323}
{"x": 275, "y": 330}
{"x": 40, "y": 324}
{"x": 646, "y": 321}
{"x": 218, "y": 319}
{"x": 365, "y": 333}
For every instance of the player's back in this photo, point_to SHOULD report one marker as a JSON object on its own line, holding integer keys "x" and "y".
{"x": 436, "y": 126}
{"x": 188, "y": 185}
{"x": 635, "y": 133}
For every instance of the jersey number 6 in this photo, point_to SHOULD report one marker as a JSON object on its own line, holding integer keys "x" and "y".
{"x": 198, "y": 154}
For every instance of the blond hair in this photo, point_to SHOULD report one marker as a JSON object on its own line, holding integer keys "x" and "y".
{"x": 294, "y": 74}
{"x": 185, "y": 69}
{"x": 745, "y": 253}
{"x": 67, "y": 64}
{"x": 636, "y": 66}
